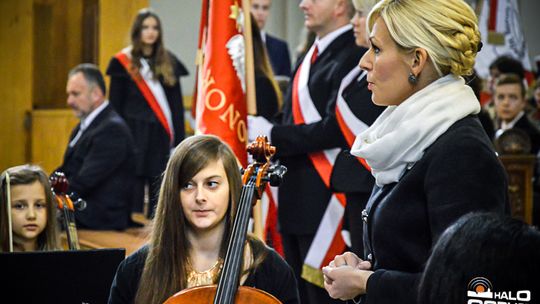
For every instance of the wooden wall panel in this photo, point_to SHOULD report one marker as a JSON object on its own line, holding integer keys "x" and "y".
{"x": 33, "y": 73}
{"x": 50, "y": 136}
{"x": 116, "y": 17}
{"x": 57, "y": 48}
{"x": 15, "y": 80}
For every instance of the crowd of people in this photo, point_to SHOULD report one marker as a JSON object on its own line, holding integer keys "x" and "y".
{"x": 383, "y": 105}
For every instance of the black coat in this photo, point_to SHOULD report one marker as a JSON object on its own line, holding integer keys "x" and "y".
{"x": 459, "y": 173}
{"x": 278, "y": 51}
{"x": 151, "y": 140}
{"x": 349, "y": 175}
{"x": 100, "y": 169}
{"x": 267, "y": 100}
{"x": 303, "y": 196}
{"x": 528, "y": 127}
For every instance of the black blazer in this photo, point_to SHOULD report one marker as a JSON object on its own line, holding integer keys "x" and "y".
{"x": 278, "y": 51}
{"x": 151, "y": 140}
{"x": 348, "y": 174}
{"x": 459, "y": 173}
{"x": 267, "y": 100}
{"x": 303, "y": 197}
{"x": 100, "y": 169}
{"x": 528, "y": 127}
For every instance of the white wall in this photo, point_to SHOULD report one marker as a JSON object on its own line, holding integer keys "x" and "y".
{"x": 530, "y": 12}
{"x": 180, "y": 20}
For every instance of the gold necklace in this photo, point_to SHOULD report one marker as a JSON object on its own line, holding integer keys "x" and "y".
{"x": 207, "y": 277}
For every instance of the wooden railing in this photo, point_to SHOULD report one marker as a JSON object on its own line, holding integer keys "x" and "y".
{"x": 131, "y": 239}
{"x": 520, "y": 168}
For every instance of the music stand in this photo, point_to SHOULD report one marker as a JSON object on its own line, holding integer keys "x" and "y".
{"x": 80, "y": 277}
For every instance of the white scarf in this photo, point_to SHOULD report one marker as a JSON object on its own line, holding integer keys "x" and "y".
{"x": 400, "y": 135}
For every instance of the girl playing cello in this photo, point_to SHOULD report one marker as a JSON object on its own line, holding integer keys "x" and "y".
{"x": 196, "y": 205}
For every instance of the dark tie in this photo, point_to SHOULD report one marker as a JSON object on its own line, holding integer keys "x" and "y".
{"x": 315, "y": 54}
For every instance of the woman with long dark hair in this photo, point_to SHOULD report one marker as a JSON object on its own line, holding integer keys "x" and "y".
{"x": 145, "y": 90}
{"x": 268, "y": 92}
{"x": 194, "y": 217}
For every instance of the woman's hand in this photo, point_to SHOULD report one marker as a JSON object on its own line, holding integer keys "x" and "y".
{"x": 346, "y": 276}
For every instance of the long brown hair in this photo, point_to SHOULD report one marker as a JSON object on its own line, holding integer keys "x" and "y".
{"x": 261, "y": 61}
{"x": 165, "y": 271}
{"x": 160, "y": 62}
{"x": 25, "y": 175}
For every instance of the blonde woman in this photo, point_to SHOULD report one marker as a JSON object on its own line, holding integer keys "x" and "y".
{"x": 431, "y": 160}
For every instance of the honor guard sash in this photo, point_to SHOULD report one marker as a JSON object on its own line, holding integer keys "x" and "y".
{"x": 328, "y": 241}
{"x": 156, "y": 100}
{"x": 349, "y": 124}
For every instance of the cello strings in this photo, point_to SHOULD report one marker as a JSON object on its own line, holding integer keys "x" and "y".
{"x": 233, "y": 259}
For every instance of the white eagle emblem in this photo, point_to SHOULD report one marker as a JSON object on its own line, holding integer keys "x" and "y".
{"x": 236, "y": 50}
{"x": 235, "y": 45}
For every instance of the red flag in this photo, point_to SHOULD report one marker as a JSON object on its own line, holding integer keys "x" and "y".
{"x": 220, "y": 94}
{"x": 221, "y": 98}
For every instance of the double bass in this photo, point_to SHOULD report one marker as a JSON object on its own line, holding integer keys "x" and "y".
{"x": 227, "y": 291}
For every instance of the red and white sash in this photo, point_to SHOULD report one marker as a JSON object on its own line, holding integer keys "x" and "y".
{"x": 269, "y": 217}
{"x": 349, "y": 124}
{"x": 155, "y": 97}
{"x": 328, "y": 241}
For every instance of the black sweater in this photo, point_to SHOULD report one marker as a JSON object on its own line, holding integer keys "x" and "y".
{"x": 273, "y": 276}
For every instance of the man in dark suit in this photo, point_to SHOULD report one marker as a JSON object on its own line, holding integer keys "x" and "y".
{"x": 510, "y": 102}
{"x": 98, "y": 162}
{"x": 278, "y": 51}
{"x": 300, "y": 136}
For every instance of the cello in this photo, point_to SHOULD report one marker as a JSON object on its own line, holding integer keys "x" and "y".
{"x": 59, "y": 186}
{"x": 227, "y": 291}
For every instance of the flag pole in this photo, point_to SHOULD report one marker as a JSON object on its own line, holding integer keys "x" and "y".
{"x": 199, "y": 60}
{"x": 251, "y": 101}
{"x": 250, "y": 70}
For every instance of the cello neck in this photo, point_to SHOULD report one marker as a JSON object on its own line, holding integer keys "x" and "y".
{"x": 59, "y": 186}
{"x": 232, "y": 266}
